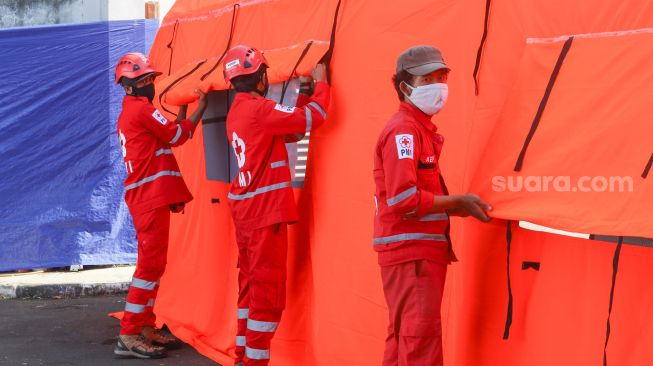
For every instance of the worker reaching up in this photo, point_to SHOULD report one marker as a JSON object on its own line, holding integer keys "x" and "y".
{"x": 153, "y": 188}
{"x": 261, "y": 197}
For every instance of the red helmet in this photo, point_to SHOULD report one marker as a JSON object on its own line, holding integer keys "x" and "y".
{"x": 242, "y": 60}
{"x": 134, "y": 65}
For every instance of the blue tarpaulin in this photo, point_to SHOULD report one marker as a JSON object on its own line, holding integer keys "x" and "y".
{"x": 61, "y": 171}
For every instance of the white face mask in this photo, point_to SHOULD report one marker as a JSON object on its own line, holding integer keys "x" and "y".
{"x": 429, "y": 98}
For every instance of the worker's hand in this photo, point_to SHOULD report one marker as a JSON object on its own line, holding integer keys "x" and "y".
{"x": 305, "y": 79}
{"x": 306, "y": 85}
{"x": 457, "y": 212}
{"x": 472, "y": 205}
{"x": 319, "y": 73}
{"x": 202, "y": 100}
{"x": 181, "y": 115}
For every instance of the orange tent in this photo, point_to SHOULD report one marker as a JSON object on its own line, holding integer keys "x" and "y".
{"x": 503, "y": 54}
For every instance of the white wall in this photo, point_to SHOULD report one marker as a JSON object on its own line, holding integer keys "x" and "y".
{"x": 164, "y": 7}
{"x": 19, "y": 13}
{"x": 125, "y": 9}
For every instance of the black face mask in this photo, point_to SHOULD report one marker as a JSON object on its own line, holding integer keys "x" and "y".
{"x": 145, "y": 91}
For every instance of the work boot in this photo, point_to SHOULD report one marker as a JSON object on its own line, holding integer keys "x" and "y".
{"x": 137, "y": 346}
{"x": 160, "y": 337}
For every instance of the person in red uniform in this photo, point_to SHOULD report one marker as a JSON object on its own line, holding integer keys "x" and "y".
{"x": 261, "y": 197}
{"x": 153, "y": 188}
{"x": 411, "y": 227}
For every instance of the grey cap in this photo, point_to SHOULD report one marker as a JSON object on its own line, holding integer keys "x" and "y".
{"x": 421, "y": 60}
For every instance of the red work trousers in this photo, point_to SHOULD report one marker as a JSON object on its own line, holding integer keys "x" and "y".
{"x": 262, "y": 257}
{"x": 152, "y": 230}
{"x": 413, "y": 291}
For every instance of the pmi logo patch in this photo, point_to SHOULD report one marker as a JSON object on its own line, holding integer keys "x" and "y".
{"x": 405, "y": 146}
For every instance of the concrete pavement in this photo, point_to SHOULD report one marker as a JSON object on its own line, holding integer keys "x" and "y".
{"x": 71, "y": 332}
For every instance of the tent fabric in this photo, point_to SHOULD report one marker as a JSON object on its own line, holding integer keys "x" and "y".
{"x": 61, "y": 183}
{"x": 336, "y": 313}
{"x": 283, "y": 62}
{"x": 612, "y": 65}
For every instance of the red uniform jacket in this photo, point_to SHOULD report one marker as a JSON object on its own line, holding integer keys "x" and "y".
{"x": 261, "y": 194}
{"x": 153, "y": 176}
{"x": 407, "y": 177}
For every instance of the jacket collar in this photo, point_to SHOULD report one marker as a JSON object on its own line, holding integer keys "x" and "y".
{"x": 419, "y": 116}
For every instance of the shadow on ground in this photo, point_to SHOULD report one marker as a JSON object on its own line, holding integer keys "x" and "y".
{"x": 71, "y": 332}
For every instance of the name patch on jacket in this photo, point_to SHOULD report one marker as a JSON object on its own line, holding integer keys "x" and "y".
{"x": 159, "y": 117}
{"x": 284, "y": 108}
{"x": 404, "y": 146}
{"x": 426, "y": 162}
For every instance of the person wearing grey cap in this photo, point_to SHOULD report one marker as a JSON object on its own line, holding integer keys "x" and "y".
{"x": 411, "y": 226}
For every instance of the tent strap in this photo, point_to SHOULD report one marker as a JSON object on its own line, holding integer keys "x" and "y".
{"x": 545, "y": 99}
{"x": 506, "y": 331}
{"x": 294, "y": 70}
{"x": 615, "y": 269}
{"x": 234, "y": 14}
{"x": 177, "y": 81}
{"x": 648, "y": 167}
{"x": 332, "y": 44}
{"x": 481, "y": 47}
{"x": 171, "y": 43}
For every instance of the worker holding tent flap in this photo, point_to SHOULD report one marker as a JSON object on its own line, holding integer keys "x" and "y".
{"x": 261, "y": 197}
{"x": 411, "y": 227}
{"x": 154, "y": 187}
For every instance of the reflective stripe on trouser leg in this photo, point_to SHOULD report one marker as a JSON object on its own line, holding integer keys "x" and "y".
{"x": 243, "y": 300}
{"x": 257, "y": 354}
{"x": 149, "y": 319}
{"x": 240, "y": 341}
{"x": 240, "y": 335}
{"x": 267, "y": 254}
{"x": 152, "y": 228}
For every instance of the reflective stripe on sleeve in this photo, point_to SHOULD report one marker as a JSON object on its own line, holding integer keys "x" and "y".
{"x": 309, "y": 121}
{"x": 274, "y": 187}
{"x": 257, "y": 354}
{"x": 435, "y": 217}
{"x": 163, "y": 151}
{"x": 177, "y": 135}
{"x": 261, "y": 326}
{"x": 151, "y": 178}
{"x": 318, "y": 108}
{"x": 401, "y": 196}
{"x": 150, "y": 303}
{"x": 144, "y": 285}
{"x": 278, "y": 164}
{"x": 409, "y": 236}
